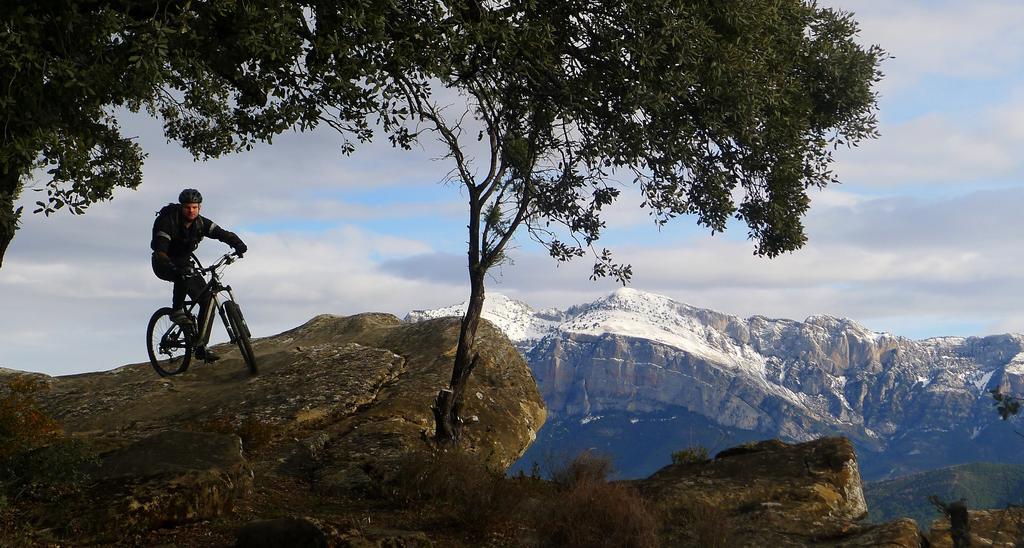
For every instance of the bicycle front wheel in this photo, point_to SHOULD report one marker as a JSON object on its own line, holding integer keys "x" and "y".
{"x": 240, "y": 332}
{"x": 169, "y": 344}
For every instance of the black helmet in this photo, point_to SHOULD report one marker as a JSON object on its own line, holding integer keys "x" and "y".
{"x": 190, "y": 196}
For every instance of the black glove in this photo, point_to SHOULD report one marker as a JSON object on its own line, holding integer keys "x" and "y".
{"x": 240, "y": 248}
{"x": 185, "y": 272}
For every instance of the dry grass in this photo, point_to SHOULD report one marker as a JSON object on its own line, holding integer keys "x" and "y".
{"x": 586, "y": 467}
{"x": 578, "y": 508}
{"x": 586, "y": 510}
{"x": 456, "y": 490}
{"x": 598, "y": 514}
{"x": 703, "y": 524}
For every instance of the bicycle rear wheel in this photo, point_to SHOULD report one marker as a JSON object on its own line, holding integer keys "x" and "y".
{"x": 169, "y": 344}
{"x": 240, "y": 332}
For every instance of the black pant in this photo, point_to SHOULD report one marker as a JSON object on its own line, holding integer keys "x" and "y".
{"x": 193, "y": 285}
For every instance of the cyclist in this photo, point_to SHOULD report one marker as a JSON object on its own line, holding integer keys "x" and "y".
{"x": 177, "y": 231}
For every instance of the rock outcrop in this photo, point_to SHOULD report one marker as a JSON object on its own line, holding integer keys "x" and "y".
{"x": 997, "y": 528}
{"x": 355, "y": 392}
{"x": 369, "y": 380}
{"x": 167, "y": 479}
{"x": 774, "y": 494}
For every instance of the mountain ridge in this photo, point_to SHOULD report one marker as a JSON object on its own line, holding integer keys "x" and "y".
{"x": 632, "y": 351}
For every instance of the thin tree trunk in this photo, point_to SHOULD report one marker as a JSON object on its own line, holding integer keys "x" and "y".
{"x": 448, "y": 406}
{"x": 9, "y": 191}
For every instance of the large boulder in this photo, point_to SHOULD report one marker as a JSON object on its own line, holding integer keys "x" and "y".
{"x": 773, "y": 493}
{"x": 363, "y": 384}
{"x": 166, "y": 479}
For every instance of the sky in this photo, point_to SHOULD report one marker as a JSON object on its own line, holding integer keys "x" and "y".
{"x": 921, "y": 239}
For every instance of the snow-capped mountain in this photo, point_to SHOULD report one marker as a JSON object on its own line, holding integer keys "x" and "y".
{"x": 519, "y": 322}
{"x": 914, "y": 403}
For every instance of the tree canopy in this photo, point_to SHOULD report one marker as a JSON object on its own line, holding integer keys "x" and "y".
{"x": 717, "y": 110}
{"x": 221, "y": 74}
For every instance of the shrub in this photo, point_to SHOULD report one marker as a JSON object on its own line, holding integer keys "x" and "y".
{"x": 578, "y": 508}
{"x": 703, "y": 524}
{"x": 586, "y": 467}
{"x": 690, "y": 455}
{"x": 592, "y": 513}
{"x": 51, "y": 472}
{"x": 586, "y": 510}
{"x": 454, "y": 487}
{"x": 23, "y": 425}
{"x": 36, "y": 460}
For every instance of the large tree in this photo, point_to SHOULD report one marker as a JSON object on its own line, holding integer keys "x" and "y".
{"x": 221, "y": 74}
{"x": 714, "y": 109}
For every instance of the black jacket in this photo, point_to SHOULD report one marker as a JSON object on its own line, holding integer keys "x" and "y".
{"x": 171, "y": 236}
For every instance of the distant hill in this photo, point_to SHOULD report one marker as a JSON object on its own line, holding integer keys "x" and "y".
{"x": 983, "y": 484}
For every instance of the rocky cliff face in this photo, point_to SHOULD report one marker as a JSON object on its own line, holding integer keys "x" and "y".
{"x": 904, "y": 402}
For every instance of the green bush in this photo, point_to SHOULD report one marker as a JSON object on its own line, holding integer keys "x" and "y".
{"x": 690, "y": 455}
{"x": 36, "y": 460}
{"x": 49, "y": 473}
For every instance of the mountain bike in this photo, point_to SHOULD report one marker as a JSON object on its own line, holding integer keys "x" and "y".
{"x": 170, "y": 344}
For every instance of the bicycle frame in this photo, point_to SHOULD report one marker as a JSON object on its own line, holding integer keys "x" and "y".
{"x": 213, "y": 288}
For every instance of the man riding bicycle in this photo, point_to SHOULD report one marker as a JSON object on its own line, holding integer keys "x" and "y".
{"x": 177, "y": 231}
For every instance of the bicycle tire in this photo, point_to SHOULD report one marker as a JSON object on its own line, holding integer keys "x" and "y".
{"x": 240, "y": 331}
{"x": 170, "y": 341}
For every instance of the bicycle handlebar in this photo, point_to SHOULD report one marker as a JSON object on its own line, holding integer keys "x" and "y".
{"x": 226, "y": 259}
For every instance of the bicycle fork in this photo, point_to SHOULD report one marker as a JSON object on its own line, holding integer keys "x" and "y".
{"x": 228, "y": 326}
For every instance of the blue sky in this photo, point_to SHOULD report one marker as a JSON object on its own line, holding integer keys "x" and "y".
{"x": 921, "y": 239}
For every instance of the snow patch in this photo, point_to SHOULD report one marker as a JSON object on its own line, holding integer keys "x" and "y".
{"x": 516, "y": 319}
{"x": 977, "y": 430}
{"x": 1016, "y": 365}
{"x": 983, "y": 382}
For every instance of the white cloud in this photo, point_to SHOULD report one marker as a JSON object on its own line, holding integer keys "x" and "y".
{"x": 940, "y": 38}
{"x": 932, "y": 149}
